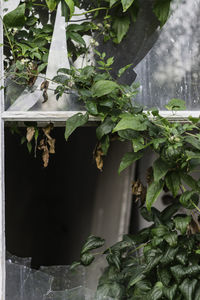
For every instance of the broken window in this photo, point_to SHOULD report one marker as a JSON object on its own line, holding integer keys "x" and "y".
{"x": 166, "y": 65}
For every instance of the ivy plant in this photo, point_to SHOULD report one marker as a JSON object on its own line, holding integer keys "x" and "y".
{"x": 161, "y": 261}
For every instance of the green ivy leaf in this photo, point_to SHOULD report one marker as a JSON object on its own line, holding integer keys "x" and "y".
{"x": 169, "y": 211}
{"x": 126, "y": 4}
{"x": 128, "y": 159}
{"x": 169, "y": 255}
{"x": 173, "y": 182}
{"x": 15, "y": 18}
{"x": 153, "y": 262}
{"x": 29, "y": 146}
{"x": 142, "y": 287}
{"x": 62, "y": 79}
{"x": 197, "y": 294}
{"x": 138, "y": 144}
{"x": 121, "y": 27}
{"x": 110, "y": 289}
{"x": 24, "y": 48}
{"x": 170, "y": 292}
{"x": 193, "y": 141}
{"x": 178, "y": 272}
{"x": 136, "y": 275}
{"x": 70, "y": 4}
{"x": 93, "y": 242}
{"x": 181, "y": 223}
{"x": 51, "y": 4}
{"x": 122, "y": 70}
{"x": 164, "y": 275}
{"x": 127, "y": 121}
{"x": 161, "y": 10}
{"x": 107, "y": 103}
{"x": 74, "y": 122}
{"x": 159, "y": 230}
{"x": 112, "y": 2}
{"x": 104, "y": 87}
{"x": 113, "y": 258}
{"x": 171, "y": 238}
{"x": 76, "y": 37}
{"x": 91, "y": 107}
{"x": 187, "y": 288}
{"x": 182, "y": 257}
{"x": 147, "y": 215}
{"x": 190, "y": 181}
{"x": 41, "y": 67}
{"x": 160, "y": 168}
{"x": 87, "y": 259}
{"x": 153, "y": 192}
{"x": 105, "y": 144}
{"x": 176, "y": 104}
{"x": 188, "y": 198}
{"x": 128, "y": 134}
{"x": 74, "y": 265}
{"x": 192, "y": 155}
{"x": 105, "y": 128}
{"x": 192, "y": 270}
{"x": 157, "y": 291}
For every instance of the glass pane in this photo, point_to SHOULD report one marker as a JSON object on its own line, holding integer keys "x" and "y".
{"x": 171, "y": 69}
{"x": 26, "y": 94}
{"x": 166, "y": 61}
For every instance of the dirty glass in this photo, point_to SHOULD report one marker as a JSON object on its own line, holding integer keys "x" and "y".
{"x": 171, "y": 69}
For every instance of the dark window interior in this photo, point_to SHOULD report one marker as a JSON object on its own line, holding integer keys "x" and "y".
{"x": 49, "y": 210}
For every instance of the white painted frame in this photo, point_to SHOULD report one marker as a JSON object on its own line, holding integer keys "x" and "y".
{"x": 2, "y": 183}
{"x": 62, "y": 116}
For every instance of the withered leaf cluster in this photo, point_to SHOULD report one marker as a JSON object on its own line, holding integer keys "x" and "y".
{"x": 98, "y": 156}
{"x": 30, "y": 132}
{"x": 46, "y": 144}
{"x": 44, "y": 86}
{"x": 139, "y": 191}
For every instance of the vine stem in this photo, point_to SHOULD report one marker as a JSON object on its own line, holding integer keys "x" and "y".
{"x": 190, "y": 134}
{"x": 139, "y": 247}
{"x": 91, "y": 10}
{"x": 197, "y": 208}
{"x": 9, "y": 40}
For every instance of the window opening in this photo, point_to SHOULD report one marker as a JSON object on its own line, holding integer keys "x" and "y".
{"x": 50, "y": 212}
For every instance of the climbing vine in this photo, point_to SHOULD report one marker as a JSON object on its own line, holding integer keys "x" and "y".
{"x": 162, "y": 261}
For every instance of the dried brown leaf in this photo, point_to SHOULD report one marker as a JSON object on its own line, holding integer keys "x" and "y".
{"x": 30, "y": 131}
{"x": 47, "y": 130}
{"x": 42, "y": 144}
{"x": 44, "y": 85}
{"x": 45, "y": 96}
{"x": 32, "y": 80}
{"x": 139, "y": 191}
{"x": 45, "y": 156}
{"x": 51, "y": 145}
{"x": 98, "y": 156}
{"x": 99, "y": 159}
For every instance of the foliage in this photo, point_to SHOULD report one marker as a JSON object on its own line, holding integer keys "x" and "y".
{"x": 177, "y": 144}
{"x": 161, "y": 261}
{"x": 28, "y": 28}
